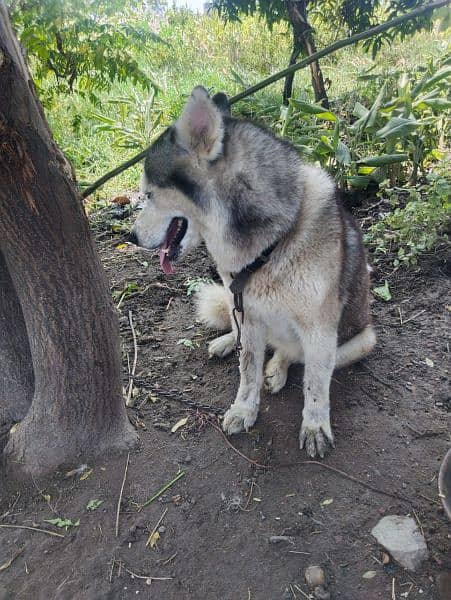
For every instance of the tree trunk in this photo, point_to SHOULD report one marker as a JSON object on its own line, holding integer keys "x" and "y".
{"x": 304, "y": 42}
{"x": 73, "y": 335}
{"x": 16, "y": 372}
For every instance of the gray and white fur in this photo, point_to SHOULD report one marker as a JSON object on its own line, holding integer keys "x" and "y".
{"x": 240, "y": 190}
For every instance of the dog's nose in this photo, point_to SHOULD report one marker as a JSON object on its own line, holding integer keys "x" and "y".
{"x": 133, "y": 238}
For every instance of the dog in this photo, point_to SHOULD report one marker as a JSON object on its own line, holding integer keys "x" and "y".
{"x": 276, "y": 225}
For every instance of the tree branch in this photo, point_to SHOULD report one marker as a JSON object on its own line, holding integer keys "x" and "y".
{"x": 292, "y": 69}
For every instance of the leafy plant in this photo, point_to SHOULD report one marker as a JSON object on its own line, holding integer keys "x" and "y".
{"x": 383, "y": 292}
{"x": 138, "y": 121}
{"x": 193, "y": 284}
{"x": 63, "y": 523}
{"x": 83, "y": 45}
{"x": 93, "y": 504}
{"x": 412, "y": 229}
{"x": 191, "y": 344}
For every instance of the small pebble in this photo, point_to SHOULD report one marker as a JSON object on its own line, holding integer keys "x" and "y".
{"x": 161, "y": 529}
{"x": 314, "y": 576}
{"x": 321, "y": 594}
{"x": 276, "y": 539}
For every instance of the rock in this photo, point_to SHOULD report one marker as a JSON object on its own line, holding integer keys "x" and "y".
{"x": 321, "y": 594}
{"x": 401, "y": 537}
{"x": 276, "y": 539}
{"x": 314, "y": 576}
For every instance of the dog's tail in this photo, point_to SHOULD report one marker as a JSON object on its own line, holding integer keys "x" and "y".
{"x": 213, "y": 307}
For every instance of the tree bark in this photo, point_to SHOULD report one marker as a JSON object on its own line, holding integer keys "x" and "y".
{"x": 304, "y": 42}
{"x": 16, "y": 372}
{"x": 77, "y": 409}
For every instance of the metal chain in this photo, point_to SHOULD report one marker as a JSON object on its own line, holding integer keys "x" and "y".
{"x": 179, "y": 397}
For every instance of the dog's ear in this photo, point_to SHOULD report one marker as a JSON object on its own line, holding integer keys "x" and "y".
{"x": 222, "y": 102}
{"x": 200, "y": 128}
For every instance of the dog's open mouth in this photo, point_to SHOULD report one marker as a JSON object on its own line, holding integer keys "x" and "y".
{"x": 170, "y": 249}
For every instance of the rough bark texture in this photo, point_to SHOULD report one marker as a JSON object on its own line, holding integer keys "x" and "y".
{"x": 304, "y": 42}
{"x": 77, "y": 408}
{"x": 16, "y": 372}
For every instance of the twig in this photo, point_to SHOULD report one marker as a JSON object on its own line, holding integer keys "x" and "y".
{"x": 149, "y": 539}
{"x": 33, "y": 529}
{"x": 302, "y": 592}
{"x": 5, "y": 514}
{"x": 120, "y": 495}
{"x": 162, "y": 490}
{"x": 148, "y": 578}
{"x": 342, "y": 43}
{"x": 311, "y": 462}
{"x": 249, "y": 460}
{"x": 130, "y": 401}
{"x": 413, "y": 317}
{"x": 168, "y": 560}
{"x": 113, "y": 562}
{"x": 9, "y": 562}
{"x": 393, "y": 595}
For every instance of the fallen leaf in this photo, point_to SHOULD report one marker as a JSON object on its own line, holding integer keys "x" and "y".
{"x": 93, "y": 504}
{"x": 369, "y": 575}
{"x": 429, "y": 362}
{"x": 86, "y": 475}
{"x": 383, "y": 292}
{"x": 385, "y": 558}
{"x": 179, "y": 424}
{"x": 153, "y": 539}
{"x": 257, "y": 499}
{"x": 121, "y": 200}
{"x": 327, "y": 502}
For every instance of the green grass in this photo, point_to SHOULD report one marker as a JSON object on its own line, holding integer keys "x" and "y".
{"x": 227, "y": 57}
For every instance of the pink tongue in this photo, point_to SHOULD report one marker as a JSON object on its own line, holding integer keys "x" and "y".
{"x": 165, "y": 263}
{"x": 170, "y": 236}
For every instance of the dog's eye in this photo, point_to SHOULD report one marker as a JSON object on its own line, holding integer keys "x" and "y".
{"x": 149, "y": 195}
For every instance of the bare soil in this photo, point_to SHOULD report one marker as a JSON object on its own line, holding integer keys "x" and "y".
{"x": 391, "y": 420}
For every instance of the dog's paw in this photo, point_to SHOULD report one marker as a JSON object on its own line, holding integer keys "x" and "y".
{"x": 316, "y": 436}
{"x": 275, "y": 375}
{"x": 239, "y": 417}
{"x": 222, "y": 346}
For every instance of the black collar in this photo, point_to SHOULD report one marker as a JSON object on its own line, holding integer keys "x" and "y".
{"x": 239, "y": 280}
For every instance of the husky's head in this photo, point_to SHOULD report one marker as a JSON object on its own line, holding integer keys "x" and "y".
{"x": 171, "y": 217}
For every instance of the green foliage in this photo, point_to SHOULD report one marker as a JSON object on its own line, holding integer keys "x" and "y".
{"x": 63, "y": 523}
{"x": 94, "y": 504}
{"x": 193, "y": 284}
{"x": 417, "y": 225}
{"x": 383, "y": 292}
{"x": 394, "y": 138}
{"x": 187, "y": 343}
{"x": 82, "y": 44}
{"x": 137, "y": 121}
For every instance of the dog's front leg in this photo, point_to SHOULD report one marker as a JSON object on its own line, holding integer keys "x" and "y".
{"x": 319, "y": 352}
{"x": 242, "y": 414}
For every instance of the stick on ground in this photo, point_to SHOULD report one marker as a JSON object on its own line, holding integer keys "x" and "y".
{"x": 120, "y": 495}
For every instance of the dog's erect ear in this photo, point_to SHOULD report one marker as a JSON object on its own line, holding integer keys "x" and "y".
{"x": 200, "y": 128}
{"x": 222, "y": 102}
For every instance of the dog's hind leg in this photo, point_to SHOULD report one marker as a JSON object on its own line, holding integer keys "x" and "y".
{"x": 276, "y": 372}
{"x": 320, "y": 345}
{"x": 242, "y": 414}
{"x": 356, "y": 348}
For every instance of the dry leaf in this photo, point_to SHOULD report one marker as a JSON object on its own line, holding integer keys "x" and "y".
{"x": 153, "y": 539}
{"x": 121, "y": 200}
{"x": 385, "y": 558}
{"x": 429, "y": 362}
{"x": 369, "y": 575}
{"x": 179, "y": 424}
{"x": 86, "y": 475}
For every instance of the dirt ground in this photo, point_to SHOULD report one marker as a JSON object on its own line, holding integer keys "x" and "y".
{"x": 215, "y": 523}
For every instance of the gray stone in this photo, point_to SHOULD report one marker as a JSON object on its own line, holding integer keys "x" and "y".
{"x": 401, "y": 537}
